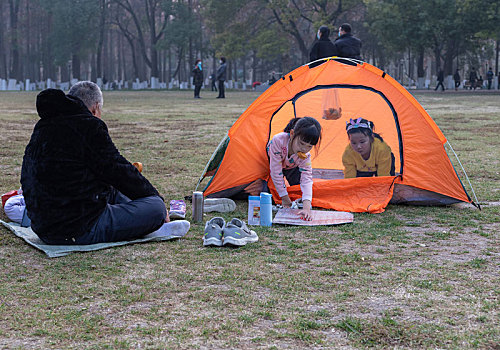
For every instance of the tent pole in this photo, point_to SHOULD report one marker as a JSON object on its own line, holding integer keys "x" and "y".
{"x": 209, "y": 161}
{"x": 466, "y": 176}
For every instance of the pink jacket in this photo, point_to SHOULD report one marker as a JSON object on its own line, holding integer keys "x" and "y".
{"x": 277, "y": 149}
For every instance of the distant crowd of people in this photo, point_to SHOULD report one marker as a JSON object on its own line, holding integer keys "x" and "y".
{"x": 475, "y": 81}
{"x": 345, "y": 45}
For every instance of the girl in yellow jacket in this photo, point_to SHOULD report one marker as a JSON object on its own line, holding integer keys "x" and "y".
{"x": 367, "y": 154}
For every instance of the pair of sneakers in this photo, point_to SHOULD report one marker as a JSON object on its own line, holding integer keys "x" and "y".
{"x": 234, "y": 233}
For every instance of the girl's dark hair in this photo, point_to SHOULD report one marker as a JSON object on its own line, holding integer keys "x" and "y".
{"x": 360, "y": 126}
{"x": 307, "y": 129}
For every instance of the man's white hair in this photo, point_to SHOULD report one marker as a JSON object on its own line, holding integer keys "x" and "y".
{"x": 88, "y": 92}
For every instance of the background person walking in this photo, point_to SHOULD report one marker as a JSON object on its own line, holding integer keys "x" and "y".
{"x": 456, "y": 77}
{"x": 489, "y": 77}
{"x": 212, "y": 82}
{"x": 440, "y": 79}
{"x": 221, "y": 77}
{"x": 197, "y": 78}
{"x": 473, "y": 78}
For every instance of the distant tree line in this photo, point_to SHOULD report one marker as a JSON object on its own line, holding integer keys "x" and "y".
{"x": 129, "y": 39}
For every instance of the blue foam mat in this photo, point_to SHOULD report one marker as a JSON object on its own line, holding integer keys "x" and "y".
{"x": 54, "y": 251}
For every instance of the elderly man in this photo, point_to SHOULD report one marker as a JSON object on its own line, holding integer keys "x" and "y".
{"x": 78, "y": 189}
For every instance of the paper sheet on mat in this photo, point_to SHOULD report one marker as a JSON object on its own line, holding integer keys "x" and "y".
{"x": 289, "y": 216}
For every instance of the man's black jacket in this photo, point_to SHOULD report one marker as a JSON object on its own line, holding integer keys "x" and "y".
{"x": 348, "y": 46}
{"x": 69, "y": 167}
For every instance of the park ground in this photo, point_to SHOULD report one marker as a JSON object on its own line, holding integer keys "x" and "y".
{"x": 410, "y": 277}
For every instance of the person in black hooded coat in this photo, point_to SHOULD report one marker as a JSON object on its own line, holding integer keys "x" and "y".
{"x": 74, "y": 180}
{"x": 322, "y": 47}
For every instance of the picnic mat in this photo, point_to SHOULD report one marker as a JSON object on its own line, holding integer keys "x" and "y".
{"x": 54, "y": 251}
{"x": 289, "y": 216}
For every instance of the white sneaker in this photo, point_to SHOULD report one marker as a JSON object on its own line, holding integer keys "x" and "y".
{"x": 221, "y": 205}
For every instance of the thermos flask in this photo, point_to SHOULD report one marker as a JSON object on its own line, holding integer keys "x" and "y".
{"x": 266, "y": 209}
{"x": 197, "y": 206}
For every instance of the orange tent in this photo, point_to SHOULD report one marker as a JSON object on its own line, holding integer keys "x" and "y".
{"x": 424, "y": 173}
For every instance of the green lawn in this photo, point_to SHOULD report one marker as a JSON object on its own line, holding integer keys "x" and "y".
{"x": 411, "y": 277}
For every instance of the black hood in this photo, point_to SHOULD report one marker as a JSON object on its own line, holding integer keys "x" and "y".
{"x": 54, "y": 103}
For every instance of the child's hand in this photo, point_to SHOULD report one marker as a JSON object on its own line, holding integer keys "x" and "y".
{"x": 167, "y": 219}
{"x": 306, "y": 214}
{"x": 286, "y": 202}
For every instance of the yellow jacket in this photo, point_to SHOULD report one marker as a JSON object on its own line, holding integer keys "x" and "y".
{"x": 380, "y": 160}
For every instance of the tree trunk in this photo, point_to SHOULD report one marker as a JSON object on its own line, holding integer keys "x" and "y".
{"x": 496, "y": 58}
{"x": 93, "y": 73}
{"x": 254, "y": 66}
{"x": 14, "y": 11}
{"x": 75, "y": 64}
{"x": 214, "y": 64}
{"x": 102, "y": 33}
{"x": 180, "y": 52}
{"x": 169, "y": 76}
{"x": 3, "y": 62}
{"x": 119, "y": 54}
{"x": 235, "y": 68}
{"x": 154, "y": 62}
{"x": 243, "y": 62}
{"x": 448, "y": 58}
{"x": 437, "y": 56}
{"x": 134, "y": 58}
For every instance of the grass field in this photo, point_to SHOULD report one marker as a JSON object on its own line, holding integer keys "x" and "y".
{"x": 411, "y": 277}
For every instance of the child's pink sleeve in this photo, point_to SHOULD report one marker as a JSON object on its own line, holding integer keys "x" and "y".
{"x": 306, "y": 179}
{"x": 276, "y": 166}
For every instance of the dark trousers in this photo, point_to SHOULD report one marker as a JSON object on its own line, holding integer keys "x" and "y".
{"x": 123, "y": 220}
{"x": 489, "y": 84}
{"x": 457, "y": 84}
{"x": 197, "y": 89}
{"x": 292, "y": 176}
{"x": 440, "y": 83}
{"x": 221, "y": 89}
{"x": 214, "y": 87}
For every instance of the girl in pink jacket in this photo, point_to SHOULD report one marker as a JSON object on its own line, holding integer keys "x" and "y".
{"x": 289, "y": 157}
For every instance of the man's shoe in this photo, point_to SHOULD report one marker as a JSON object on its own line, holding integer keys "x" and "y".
{"x": 237, "y": 233}
{"x": 177, "y": 209}
{"x": 213, "y": 232}
{"x": 221, "y": 205}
